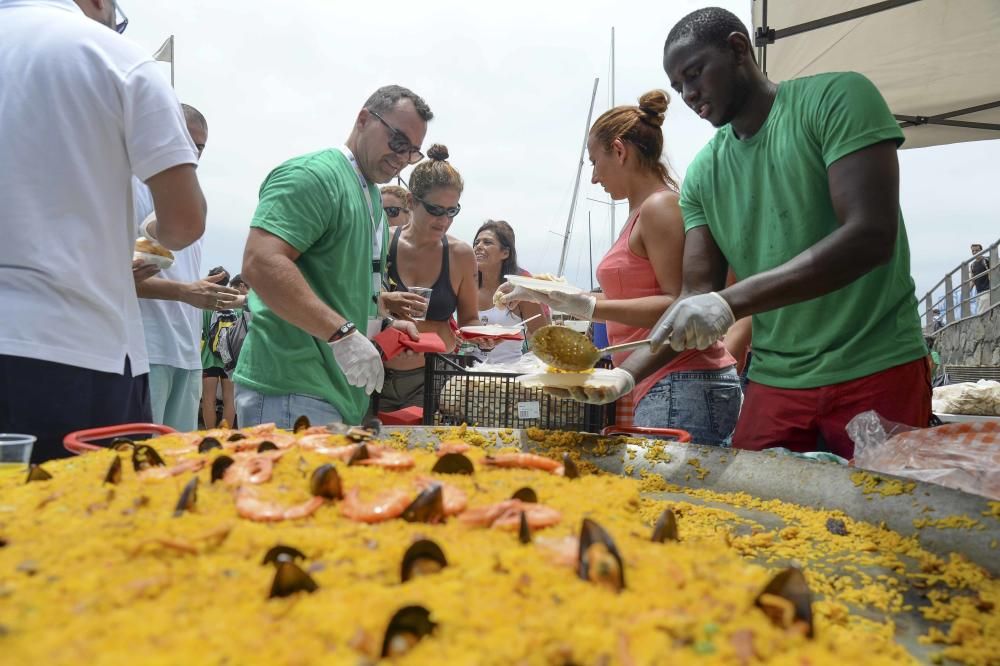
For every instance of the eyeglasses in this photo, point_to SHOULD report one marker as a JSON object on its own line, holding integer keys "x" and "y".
{"x": 393, "y": 211}
{"x": 120, "y": 25}
{"x": 440, "y": 211}
{"x": 399, "y": 143}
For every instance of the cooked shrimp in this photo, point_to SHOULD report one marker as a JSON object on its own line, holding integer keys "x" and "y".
{"x": 455, "y": 500}
{"x": 250, "y": 507}
{"x": 161, "y": 472}
{"x": 562, "y": 552}
{"x": 523, "y": 461}
{"x": 388, "y": 458}
{"x": 255, "y": 470}
{"x": 452, "y": 446}
{"x": 388, "y": 505}
{"x": 506, "y": 515}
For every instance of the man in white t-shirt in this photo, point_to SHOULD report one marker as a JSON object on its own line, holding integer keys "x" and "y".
{"x": 171, "y": 305}
{"x": 82, "y": 110}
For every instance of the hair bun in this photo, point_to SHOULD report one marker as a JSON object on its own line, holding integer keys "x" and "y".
{"x": 653, "y": 105}
{"x": 438, "y": 152}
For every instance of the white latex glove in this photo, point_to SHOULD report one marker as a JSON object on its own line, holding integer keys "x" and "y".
{"x": 621, "y": 382}
{"x": 360, "y": 361}
{"x": 577, "y": 305}
{"x": 695, "y": 322}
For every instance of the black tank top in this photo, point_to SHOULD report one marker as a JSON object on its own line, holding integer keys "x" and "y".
{"x": 444, "y": 301}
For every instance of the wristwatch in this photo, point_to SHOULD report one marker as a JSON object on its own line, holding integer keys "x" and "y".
{"x": 343, "y": 331}
{"x": 387, "y": 322}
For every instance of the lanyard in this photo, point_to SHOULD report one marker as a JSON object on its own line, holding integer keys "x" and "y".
{"x": 376, "y": 227}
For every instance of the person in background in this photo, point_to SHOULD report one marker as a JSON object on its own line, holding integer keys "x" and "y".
{"x": 82, "y": 110}
{"x": 397, "y": 205}
{"x": 979, "y": 271}
{"x": 496, "y": 256}
{"x": 819, "y": 244}
{"x": 171, "y": 304}
{"x": 422, "y": 254}
{"x": 640, "y": 276}
{"x": 315, "y": 258}
{"x": 214, "y": 375}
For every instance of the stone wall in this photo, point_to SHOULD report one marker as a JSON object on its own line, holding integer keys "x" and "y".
{"x": 971, "y": 341}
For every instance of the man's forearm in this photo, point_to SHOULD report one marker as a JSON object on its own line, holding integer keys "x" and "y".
{"x": 279, "y": 283}
{"x": 642, "y": 363}
{"x": 159, "y": 289}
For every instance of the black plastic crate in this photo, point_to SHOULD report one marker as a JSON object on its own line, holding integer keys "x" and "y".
{"x": 454, "y": 394}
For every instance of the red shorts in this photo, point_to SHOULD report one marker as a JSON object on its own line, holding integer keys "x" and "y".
{"x": 797, "y": 418}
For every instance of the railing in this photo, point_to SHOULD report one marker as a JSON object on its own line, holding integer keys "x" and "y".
{"x": 955, "y": 298}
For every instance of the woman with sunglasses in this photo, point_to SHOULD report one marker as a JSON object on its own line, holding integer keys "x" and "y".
{"x": 641, "y": 276}
{"x": 422, "y": 254}
{"x": 396, "y": 205}
{"x": 496, "y": 257}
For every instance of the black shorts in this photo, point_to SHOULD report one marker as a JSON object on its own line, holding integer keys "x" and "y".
{"x": 214, "y": 372}
{"x": 50, "y": 400}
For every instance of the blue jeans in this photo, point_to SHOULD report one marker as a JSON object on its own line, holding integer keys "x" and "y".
{"x": 706, "y": 403}
{"x": 254, "y": 408}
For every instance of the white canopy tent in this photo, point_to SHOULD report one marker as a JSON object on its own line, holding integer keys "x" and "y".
{"x": 937, "y": 62}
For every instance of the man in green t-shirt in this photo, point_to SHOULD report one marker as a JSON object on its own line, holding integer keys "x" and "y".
{"x": 314, "y": 257}
{"x": 798, "y": 192}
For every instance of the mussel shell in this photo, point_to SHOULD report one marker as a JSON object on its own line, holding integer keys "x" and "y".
{"x": 301, "y": 423}
{"x": 289, "y": 579}
{"x": 114, "y": 474}
{"x": 208, "y": 443}
{"x": 325, "y": 482}
{"x": 282, "y": 553}
{"x": 235, "y": 437}
{"x": 453, "y": 463}
{"x": 267, "y": 446}
{"x": 359, "y": 434}
{"x": 188, "y": 498}
{"x": 666, "y": 527}
{"x": 373, "y": 426}
{"x": 791, "y": 584}
{"x": 122, "y": 444}
{"x": 524, "y": 530}
{"x": 593, "y": 534}
{"x": 36, "y": 473}
{"x": 360, "y": 453}
{"x": 145, "y": 456}
{"x": 570, "y": 470}
{"x": 424, "y": 549}
{"x": 428, "y": 507}
{"x": 406, "y": 628}
{"x": 836, "y": 526}
{"x": 219, "y": 467}
{"x": 526, "y": 494}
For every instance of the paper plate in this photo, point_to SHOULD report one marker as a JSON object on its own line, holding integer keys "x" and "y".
{"x": 599, "y": 378}
{"x": 544, "y": 286}
{"x": 492, "y": 331}
{"x": 157, "y": 260}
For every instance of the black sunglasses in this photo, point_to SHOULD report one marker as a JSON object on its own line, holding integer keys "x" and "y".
{"x": 399, "y": 143}
{"x": 393, "y": 211}
{"x": 440, "y": 211}
{"x": 120, "y": 25}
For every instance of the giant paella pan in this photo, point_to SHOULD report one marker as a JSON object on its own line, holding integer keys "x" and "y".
{"x": 463, "y": 546}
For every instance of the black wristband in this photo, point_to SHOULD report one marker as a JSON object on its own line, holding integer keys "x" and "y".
{"x": 344, "y": 330}
{"x": 387, "y": 322}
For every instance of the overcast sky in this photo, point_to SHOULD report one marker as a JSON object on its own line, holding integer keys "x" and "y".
{"x": 509, "y": 84}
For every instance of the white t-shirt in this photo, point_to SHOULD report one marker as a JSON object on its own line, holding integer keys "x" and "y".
{"x": 82, "y": 109}
{"x": 507, "y": 351}
{"x": 173, "y": 329}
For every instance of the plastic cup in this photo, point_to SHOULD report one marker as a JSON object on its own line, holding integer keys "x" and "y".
{"x": 425, "y": 293}
{"x": 15, "y": 453}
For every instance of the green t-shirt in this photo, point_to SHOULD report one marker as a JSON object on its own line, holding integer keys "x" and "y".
{"x": 767, "y": 198}
{"x": 315, "y": 204}
{"x": 208, "y": 359}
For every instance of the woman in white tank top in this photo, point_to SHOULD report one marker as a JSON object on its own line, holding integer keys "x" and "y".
{"x": 496, "y": 256}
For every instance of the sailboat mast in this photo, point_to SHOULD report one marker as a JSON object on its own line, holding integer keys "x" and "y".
{"x": 576, "y": 187}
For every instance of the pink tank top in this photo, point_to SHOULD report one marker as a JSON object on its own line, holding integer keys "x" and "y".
{"x": 623, "y": 274}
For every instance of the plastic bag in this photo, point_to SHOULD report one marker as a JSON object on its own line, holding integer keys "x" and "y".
{"x": 980, "y": 398}
{"x": 965, "y": 456}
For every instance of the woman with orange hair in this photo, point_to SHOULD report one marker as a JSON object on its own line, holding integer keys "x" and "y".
{"x": 640, "y": 276}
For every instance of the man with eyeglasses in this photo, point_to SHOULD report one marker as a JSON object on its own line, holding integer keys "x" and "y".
{"x": 315, "y": 256}
{"x": 82, "y": 110}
